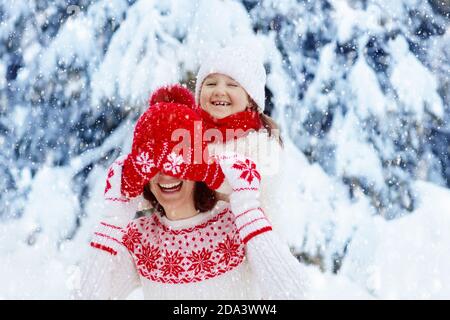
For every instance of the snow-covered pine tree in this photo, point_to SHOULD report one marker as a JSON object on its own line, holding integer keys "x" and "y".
{"x": 51, "y": 49}
{"x": 351, "y": 109}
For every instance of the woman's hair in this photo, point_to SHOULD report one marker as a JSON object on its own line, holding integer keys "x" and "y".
{"x": 204, "y": 198}
{"x": 267, "y": 122}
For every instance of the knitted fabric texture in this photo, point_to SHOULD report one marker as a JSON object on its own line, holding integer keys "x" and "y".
{"x": 234, "y": 126}
{"x": 186, "y": 255}
{"x": 188, "y": 259}
{"x": 244, "y": 178}
{"x": 172, "y": 93}
{"x": 239, "y": 63}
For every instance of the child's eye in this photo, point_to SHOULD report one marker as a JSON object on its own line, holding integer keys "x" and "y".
{"x": 210, "y": 84}
{"x": 232, "y": 85}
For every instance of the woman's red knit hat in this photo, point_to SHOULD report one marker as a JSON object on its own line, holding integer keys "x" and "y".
{"x": 166, "y": 140}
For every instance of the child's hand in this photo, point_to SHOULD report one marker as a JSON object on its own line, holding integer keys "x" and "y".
{"x": 244, "y": 178}
{"x": 241, "y": 172}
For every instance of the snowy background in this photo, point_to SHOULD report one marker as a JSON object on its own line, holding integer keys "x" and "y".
{"x": 361, "y": 89}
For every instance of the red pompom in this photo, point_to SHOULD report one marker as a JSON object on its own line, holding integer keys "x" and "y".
{"x": 174, "y": 94}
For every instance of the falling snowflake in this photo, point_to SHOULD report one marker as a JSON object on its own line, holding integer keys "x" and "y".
{"x": 145, "y": 162}
{"x": 173, "y": 163}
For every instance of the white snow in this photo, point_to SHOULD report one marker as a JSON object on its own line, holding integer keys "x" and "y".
{"x": 355, "y": 157}
{"x": 364, "y": 83}
{"x": 385, "y": 259}
{"x": 74, "y": 44}
{"x": 2, "y": 75}
{"x": 415, "y": 85}
{"x": 407, "y": 258}
{"x": 351, "y": 20}
{"x": 139, "y": 58}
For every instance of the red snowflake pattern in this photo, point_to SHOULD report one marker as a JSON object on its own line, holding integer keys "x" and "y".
{"x": 172, "y": 262}
{"x": 131, "y": 238}
{"x": 248, "y": 170}
{"x": 228, "y": 249}
{"x": 193, "y": 254}
{"x": 201, "y": 260}
{"x": 148, "y": 257}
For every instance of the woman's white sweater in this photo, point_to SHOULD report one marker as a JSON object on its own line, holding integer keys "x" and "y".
{"x": 202, "y": 257}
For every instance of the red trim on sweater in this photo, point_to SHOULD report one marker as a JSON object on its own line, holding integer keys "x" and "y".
{"x": 188, "y": 255}
{"x": 250, "y": 222}
{"x": 255, "y": 233}
{"x": 247, "y": 211}
{"x": 110, "y": 225}
{"x": 107, "y": 237}
{"x": 105, "y": 248}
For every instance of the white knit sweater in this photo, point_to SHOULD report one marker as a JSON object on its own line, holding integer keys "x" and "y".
{"x": 268, "y": 155}
{"x": 201, "y": 257}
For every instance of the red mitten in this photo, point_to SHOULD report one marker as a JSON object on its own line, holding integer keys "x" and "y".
{"x": 243, "y": 176}
{"x": 113, "y": 181}
{"x": 118, "y": 210}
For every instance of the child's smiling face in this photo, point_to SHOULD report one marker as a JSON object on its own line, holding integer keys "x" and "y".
{"x": 221, "y": 96}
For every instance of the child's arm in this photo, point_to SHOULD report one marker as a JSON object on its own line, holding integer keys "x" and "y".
{"x": 275, "y": 268}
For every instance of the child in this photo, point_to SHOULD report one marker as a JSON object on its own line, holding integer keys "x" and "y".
{"x": 231, "y": 96}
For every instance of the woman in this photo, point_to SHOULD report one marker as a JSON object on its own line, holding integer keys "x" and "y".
{"x": 191, "y": 246}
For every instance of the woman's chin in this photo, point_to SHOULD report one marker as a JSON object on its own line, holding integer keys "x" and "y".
{"x": 171, "y": 201}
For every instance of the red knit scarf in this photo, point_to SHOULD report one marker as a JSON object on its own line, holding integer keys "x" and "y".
{"x": 239, "y": 123}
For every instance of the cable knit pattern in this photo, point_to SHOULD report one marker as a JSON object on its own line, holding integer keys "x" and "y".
{"x": 281, "y": 275}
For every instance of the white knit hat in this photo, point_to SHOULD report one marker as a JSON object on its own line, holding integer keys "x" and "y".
{"x": 239, "y": 63}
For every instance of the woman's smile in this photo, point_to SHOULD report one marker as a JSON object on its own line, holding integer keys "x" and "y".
{"x": 170, "y": 187}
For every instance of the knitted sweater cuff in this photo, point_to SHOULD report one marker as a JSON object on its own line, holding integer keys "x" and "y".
{"x": 107, "y": 237}
{"x": 250, "y": 218}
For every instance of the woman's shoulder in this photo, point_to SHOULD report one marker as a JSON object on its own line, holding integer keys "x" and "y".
{"x": 141, "y": 222}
